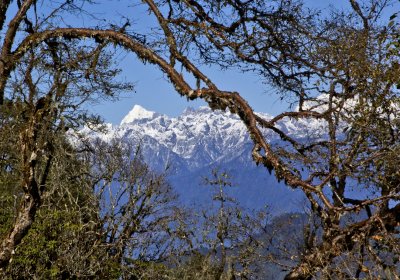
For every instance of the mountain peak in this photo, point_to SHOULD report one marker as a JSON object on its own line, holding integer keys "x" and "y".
{"x": 137, "y": 113}
{"x": 188, "y": 110}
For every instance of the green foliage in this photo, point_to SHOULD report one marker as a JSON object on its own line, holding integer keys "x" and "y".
{"x": 6, "y": 212}
{"x": 61, "y": 246}
{"x": 38, "y": 254}
{"x": 198, "y": 266}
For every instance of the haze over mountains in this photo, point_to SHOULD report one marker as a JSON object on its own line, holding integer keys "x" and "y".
{"x": 200, "y": 140}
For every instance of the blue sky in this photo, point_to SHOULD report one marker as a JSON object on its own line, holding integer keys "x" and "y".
{"x": 153, "y": 91}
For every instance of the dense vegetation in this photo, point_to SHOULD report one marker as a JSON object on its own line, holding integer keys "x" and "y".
{"x": 74, "y": 208}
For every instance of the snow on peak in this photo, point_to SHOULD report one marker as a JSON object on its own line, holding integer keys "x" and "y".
{"x": 137, "y": 113}
{"x": 189, "y": 110}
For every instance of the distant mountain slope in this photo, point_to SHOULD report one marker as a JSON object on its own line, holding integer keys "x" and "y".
{"x": 198, "y": 141}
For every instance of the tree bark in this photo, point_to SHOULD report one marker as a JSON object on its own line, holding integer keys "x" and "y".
{"x": 21, "y": 227}
{"x": 32, "y": 199}
{"x": 3, "y": 10}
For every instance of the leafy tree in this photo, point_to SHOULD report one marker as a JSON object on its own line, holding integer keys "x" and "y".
{"x": 44, "y": 93}
{"x": 65, "y": 239}
{"x": 105, "y": 215}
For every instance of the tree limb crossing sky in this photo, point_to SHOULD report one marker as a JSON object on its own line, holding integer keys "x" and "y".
{"x": 153, "y": 92}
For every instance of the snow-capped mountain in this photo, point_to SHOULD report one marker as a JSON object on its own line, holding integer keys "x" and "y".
{"x": 197, "y": 141}
{"x": 196, "y": 136}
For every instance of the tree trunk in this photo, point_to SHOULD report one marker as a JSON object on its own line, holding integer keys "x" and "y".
{"x": 21, "y": 227}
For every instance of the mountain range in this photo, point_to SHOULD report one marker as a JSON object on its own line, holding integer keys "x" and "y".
{"x": 200, "y": 140}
